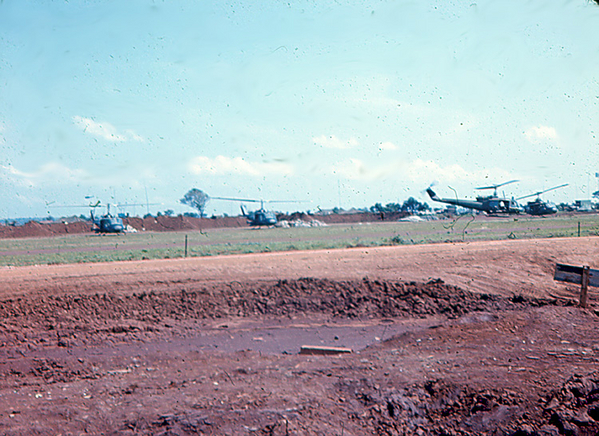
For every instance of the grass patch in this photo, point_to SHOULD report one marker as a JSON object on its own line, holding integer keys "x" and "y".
{"x": 140, "y": 246}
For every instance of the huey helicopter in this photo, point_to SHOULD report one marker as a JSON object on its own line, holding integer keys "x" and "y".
{"x": 491, "y": 204}
{"x": 109, "y": 223}
{"x": 256, "y": 218}
{"x": 106, "y": 223}
{"x": 538, "y": 206}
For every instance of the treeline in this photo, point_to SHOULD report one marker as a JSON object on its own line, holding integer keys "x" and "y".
{"x": 411, "y": 205}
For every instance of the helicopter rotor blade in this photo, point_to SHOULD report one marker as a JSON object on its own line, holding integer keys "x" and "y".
{"x": 286, "y": 201}
{"x": 542, "y": 192}
{"x": 249, "y": 200}
{"x": 135, "y": 204}
{"x": 497, "y": 186}
{"x": 62, "y": 206}
{"x": 252, "y": 200}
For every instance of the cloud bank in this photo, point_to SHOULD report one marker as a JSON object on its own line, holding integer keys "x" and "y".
{"x": 222, "y": 165}
{"x": 105, "y": 130}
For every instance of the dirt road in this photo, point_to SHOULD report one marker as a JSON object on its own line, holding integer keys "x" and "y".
{"x": 502, "y": 267}
{"x": 448, "y": 339}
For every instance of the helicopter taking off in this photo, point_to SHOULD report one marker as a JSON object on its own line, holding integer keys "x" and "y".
{"x": 491, "y": 204}
{"x": 538, "y": 206}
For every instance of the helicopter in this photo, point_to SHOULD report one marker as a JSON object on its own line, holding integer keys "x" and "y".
{"x": 106, "y": 223}
{"x": 491, "y": 204}
{"x": 257, "y": 218}
{"x": 538, "y": 206}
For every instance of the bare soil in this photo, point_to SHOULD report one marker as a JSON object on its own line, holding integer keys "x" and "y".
{"x": 447, "y": 339}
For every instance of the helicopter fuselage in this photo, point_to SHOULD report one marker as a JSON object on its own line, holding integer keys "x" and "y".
{"x": 108, "y": 224}
{"x": 490, "y": 204}
{"x": 260, "y": 217}
{"x": 539, "y": 207}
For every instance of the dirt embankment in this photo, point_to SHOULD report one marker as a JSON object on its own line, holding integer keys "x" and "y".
{"x": 154, "y": 224}
{"x": 79, "y": 317}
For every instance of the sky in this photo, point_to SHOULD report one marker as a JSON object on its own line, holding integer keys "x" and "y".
{"x": 321, "y": 103}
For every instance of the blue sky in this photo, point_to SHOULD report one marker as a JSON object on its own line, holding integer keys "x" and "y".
{"x": 340, "y": 103}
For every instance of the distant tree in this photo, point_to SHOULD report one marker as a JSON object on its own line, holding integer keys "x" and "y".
{"x": 412, "y": 205}
{"x": 377, "y": 208}
{"x": 388, "y": 208}
{"x": 393, "y": 207}
{"x": 169, "y": 212}
{"x": 196, "y": 199}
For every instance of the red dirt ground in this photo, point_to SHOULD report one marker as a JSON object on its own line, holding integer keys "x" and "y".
{"x": 448, "y": 339}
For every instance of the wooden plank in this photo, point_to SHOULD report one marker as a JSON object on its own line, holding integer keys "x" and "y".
{"x": 594, "y": 277}
{"x": 584, "y": 297}
{"x": 573, "y": 274}
{"x": 317, "y": 349}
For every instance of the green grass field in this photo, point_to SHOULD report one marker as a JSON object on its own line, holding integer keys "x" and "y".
{"x": 146, "y": 245}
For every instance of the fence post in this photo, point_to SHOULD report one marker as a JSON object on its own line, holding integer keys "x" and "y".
{"x": 185, "y": 245}
{"x": 584, "y": 287}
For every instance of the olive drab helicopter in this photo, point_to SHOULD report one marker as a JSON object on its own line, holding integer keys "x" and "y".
{"x": 109, "y": 223}
{"x": 106, "y": 223}
{"x": 491, "y": 204}
{"x": 538, "y": 206}
{"x": 257, "y": 218}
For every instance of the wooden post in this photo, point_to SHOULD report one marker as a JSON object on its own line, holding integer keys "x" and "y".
{"x": 584, "y": 287}
{"x": 185, "y": 245}
{"x": 579, "y": 229}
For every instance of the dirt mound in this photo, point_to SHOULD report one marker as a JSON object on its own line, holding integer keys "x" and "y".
{"x": 449, "y": 409}
{"x": 574, "y": 409}
{"x": 94, "y": 317}
{"x": 341, "y": 218}
{"x": 180, "y": 223}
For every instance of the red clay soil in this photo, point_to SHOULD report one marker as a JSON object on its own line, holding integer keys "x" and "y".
{"x": 448, "y": 339}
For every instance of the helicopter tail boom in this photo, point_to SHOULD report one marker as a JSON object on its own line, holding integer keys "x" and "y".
{"x": 432, "y": 194}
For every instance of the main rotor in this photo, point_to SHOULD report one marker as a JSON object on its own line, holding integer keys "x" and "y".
{"x": 494, "y": 187}
{"x": 538, "y": 194}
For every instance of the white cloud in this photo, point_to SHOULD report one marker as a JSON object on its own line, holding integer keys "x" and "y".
{"x": 387, "y": 146}
{"x": 222, "y": 165}
{"x": 50, "y": 173}
{"x": 422, "y": 171}
{"x": 333, "y": 142}
{"x": 418, "y": 171}
{"x": 105, "y": 130}
{"x": 540, "y": 133}
{"x": 353, "y": 169}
